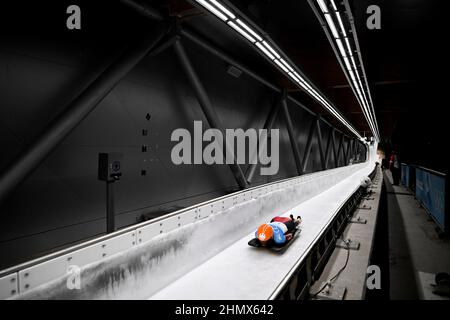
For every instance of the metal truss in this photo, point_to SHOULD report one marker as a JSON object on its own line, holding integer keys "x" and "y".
{"x": 162, "y": 36}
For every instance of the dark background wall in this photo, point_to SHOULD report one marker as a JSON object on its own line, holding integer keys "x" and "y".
{"x": 43, "y": 66}
{"x": 407, "y": 63}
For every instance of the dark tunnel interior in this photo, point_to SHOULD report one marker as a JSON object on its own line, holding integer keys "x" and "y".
{"x": 44, "y": 67}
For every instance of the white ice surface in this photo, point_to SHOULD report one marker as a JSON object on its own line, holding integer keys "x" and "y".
{"x": 210, "y": 258}
{"x": 243, "y": 272}
{"x": 142, "y": 271}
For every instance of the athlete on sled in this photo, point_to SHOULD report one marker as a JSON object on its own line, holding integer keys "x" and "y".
{"x": 278, "y": 233}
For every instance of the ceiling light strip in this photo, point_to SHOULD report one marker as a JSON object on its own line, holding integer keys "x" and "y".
{"x": 350, "y": 68}
{"x": 213, "y": 10}
{"x": 362, "y": 98}
{"x": 241, "y": 31}
{"x": 263, "y": 45}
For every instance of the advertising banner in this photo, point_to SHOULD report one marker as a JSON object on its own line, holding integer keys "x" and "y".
{"x": 405, "y": 175}
{"x": 430, "y": 191}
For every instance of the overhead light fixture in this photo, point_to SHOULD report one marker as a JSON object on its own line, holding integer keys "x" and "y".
{"x": 334, "y": 5}
{"x": 223, "y": 9}
{"x": 281, "y": 66}
{"x": 341, "y": 48}
{"x": 331, "y": 25}
{"x": 349, "y": 65}
{"x": 290, "y": 74}
{"x": 286, "y": 65}
{"x": 268, "y": 47}
{"x": 241, "y": 31}
{"x": 360, "y": 84}
{"x": 249, "y": 30}
{"x": 349, "y": 47}
{"x": 353, "y": 62}
{"x": 213, "y": 10}
{"x": 302, "y": 84}
{"x": 352, "y": 75}
{"x": 231, "y": 17}
{"x": 322, "y": 6}
{"x": 265, "y": 51}
{"x": 338, "y": 16}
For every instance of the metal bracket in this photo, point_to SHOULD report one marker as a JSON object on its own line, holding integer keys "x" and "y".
{"x": 165, "y": 44}
{"x": 331, "y": 292}
{"x": 348, "y": 244}
{"x": 358, "y": 220}
{"x": 364, "y": 207}
{"x": 173, "y": 36}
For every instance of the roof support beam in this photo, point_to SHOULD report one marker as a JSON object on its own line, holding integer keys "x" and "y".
{"x": 347, "y": 151}
{"x": 320, "y": 143}
{"x": 336, "y": 160}
{"x": 262, "y": 139}
{"x": 306, "y": 154}
{"x": 341, "y": 141}
{"x": 151, "y": 13}
{"x": 292, "y": 137}
{"x": 208, "y": 110}
{"x": 328, "y": 148}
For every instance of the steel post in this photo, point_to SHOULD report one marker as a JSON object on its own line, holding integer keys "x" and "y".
{"x": 307, "y": 152}
{"x": 110, "y": 216}
{"x": 268, "y": 126}
{"x": 292, "y": 138}
{"x": 320, "y": 143}
{"x": 341, "y": 140}
{"x": 329, "y": 147}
